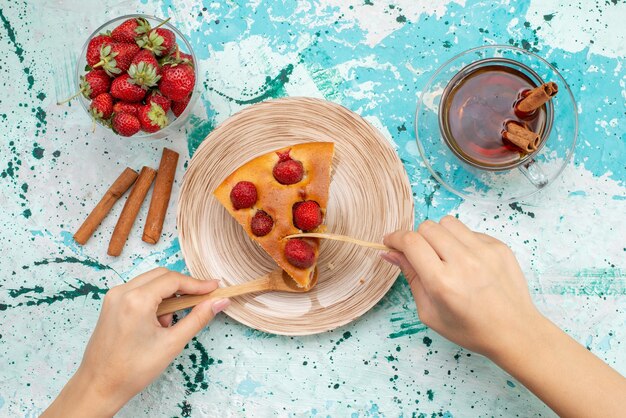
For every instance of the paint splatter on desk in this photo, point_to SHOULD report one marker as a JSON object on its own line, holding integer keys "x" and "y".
{"x": 372, "y": 57}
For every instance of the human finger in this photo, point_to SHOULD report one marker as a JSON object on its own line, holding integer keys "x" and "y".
{"x": 460, "y": 231}
{"x": 145, "y": 277}
{"x": 417, "y": 288}
{"x": 422, "y": 257}
{"x": 173, "y": 283}
{"x": 197, "y": 319}
{"x": 442, "y": 241}
{"x": 165, "y": 320}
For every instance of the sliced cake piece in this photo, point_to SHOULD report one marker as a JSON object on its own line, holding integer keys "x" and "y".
{"x": 281, "y": 193}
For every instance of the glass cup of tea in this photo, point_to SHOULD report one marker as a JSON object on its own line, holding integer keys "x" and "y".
{"x": 463, "y": 110}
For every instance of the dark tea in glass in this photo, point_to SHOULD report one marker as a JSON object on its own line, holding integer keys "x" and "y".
{"x": 477, "y": 104}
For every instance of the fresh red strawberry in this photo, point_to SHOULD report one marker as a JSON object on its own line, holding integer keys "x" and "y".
{"x": 177, "y": 82}
{"x": 94, "y": 83}
{"x": 158, "y": 98}
{"x": 288, "y": 171}
{"x": 101, "y": 106}
{"x": 299, "y": 253}
{"x": 179, "y": 107}
{"x": 185, "y": 57}
{"x": 126, "y": 107}
{"x": 130, "y": 30}
{"x": 152, "y": 117}
{"x": 144, "y": 69}
{"x": 161, "y": 41}
{"x": 125, "y": 124}
{"x": 93, "y": 48}
{"x": 177, "y": 57}
{"x": 261, "y": 223}
{"x": 307, "y": 215}
{"x": 115, "y": 58}
{"x": 123, "y": 88}
{"x": 148, "y": 57}
{"x": 243, "y": 195}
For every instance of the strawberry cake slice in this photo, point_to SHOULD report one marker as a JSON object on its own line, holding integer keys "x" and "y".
{"x": 281, "y": 193}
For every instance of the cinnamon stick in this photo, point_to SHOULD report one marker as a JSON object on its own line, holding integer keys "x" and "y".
{"x": 521, "y": 137}
{"x": 112, "y": 195}
{"x": 537, "y": 97}
{"x": 160, "y": 196}
{"x": 130, "y": 211}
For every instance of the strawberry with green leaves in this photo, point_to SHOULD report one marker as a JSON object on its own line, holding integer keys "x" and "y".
{"x": 155, "y": 96}
{"x": 101, "y": 107}
{"x": 116, "y": 57}
{"x": 94, "y": 46}
{"x": 177, "y": 81}
{"x": 177, "y": 57}
{"x": 160, "y": 41}
{"x": 92, "y": 84}
{"x": 184, "y": 58}
{"x": 125, "y": 124}
{"x": 130, "y": 30}
{"x": 124, "y": 88}
{"x": 152, "y": 117}
{"x": 148, "y": 58}
{"x": 144, "y": 69}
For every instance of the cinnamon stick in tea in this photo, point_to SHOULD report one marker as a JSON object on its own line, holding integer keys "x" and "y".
{"x": 537, "y": 97}
{"x": 130, "y": 211}
{"x": 112, "y": 195}
{"x": 521, "y": 137}
{"x": 160, "y": 196}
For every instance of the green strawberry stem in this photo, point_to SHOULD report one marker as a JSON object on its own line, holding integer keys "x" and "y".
{"x": 73, "y": 97}
{"x": 143, "y": 26}
{"x": 160, "y": 24}
{"x": 99, "y": 64}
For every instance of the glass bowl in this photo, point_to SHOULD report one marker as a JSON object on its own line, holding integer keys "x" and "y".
{"x": 534, "y": 171}
{"x": 183, "y": 44}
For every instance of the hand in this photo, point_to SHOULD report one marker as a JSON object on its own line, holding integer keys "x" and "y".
{"x": 130, "y": 346}
{"x": 467, "y": 286}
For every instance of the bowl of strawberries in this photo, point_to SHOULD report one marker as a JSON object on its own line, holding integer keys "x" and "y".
{"x": 137, "y": 76}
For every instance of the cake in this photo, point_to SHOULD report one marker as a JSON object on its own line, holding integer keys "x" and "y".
{"x": 281, "y": 193}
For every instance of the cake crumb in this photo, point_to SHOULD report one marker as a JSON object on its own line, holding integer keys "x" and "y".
{"x": 331, "y": 266}
{"x": 361, "y": 280}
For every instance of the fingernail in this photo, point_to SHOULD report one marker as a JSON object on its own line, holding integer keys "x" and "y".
{"x": 219, "y": 305}
{"x": 212, "y": 282}
{"x": 390, "y": 259}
